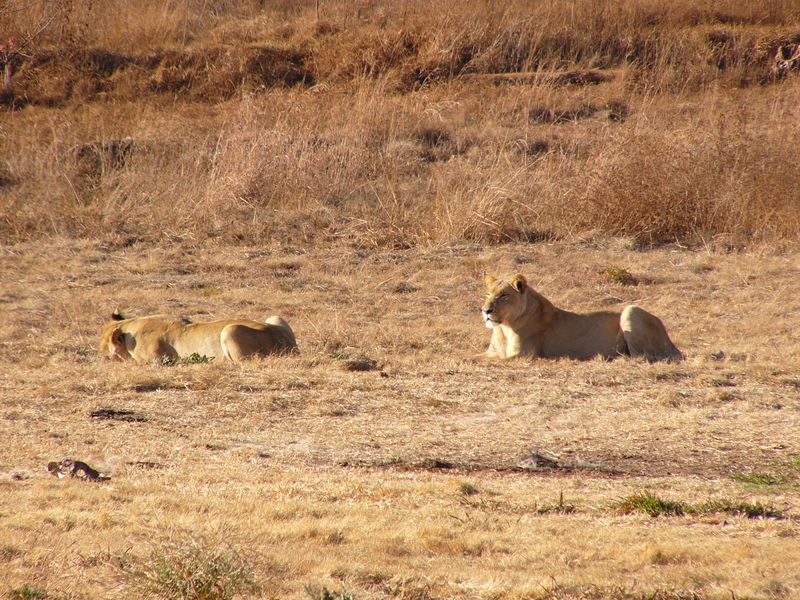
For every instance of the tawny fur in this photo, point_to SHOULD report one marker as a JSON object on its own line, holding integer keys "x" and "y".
{"x": 154, "y": 337}
{"x": 526, "y": 324}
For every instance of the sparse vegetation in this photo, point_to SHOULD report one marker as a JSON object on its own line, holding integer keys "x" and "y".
{"x": 328, "y": 470}
{"x": 468, "y": 489}
{"x": 780, "y": 475}
{"x": 654, "y": 506}
{"x": 746, "y": 509}
{"x": 612, "y": 593}
{"x": 618, "y": 275}
{"x": 192, "y": 359}
{"x": 323, "y": 593}
{"x": 560, "y": 507}
{"x": 190, "y": 569}
{"x": 27, "y": 593}
{"x": 760, "y": 478}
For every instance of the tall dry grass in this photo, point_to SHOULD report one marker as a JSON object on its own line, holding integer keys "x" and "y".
{"x": 360, "y": 122}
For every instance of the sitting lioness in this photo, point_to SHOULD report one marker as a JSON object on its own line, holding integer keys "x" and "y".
{"x": 164, "y": 336}
{"x": 526, "y": 324}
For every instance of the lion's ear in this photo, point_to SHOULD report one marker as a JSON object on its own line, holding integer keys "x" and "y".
{"x": 490, "y": 281}
{"x": 117, "y": 316}
{"x": 518, "y": 282}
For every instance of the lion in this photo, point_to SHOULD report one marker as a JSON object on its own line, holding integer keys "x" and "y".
{"x": 156, "y": 337}
{"x": 526, "y": 324}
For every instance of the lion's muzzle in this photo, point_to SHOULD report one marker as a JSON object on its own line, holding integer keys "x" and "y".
{"x": 488, "y": 320}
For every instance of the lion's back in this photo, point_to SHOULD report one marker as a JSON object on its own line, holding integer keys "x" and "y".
{"x": 583, "y": 335}
{"x": 247, "y": 338}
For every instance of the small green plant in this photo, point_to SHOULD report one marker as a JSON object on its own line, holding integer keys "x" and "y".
{"x": 654, "y": 506}
{"x": 618, "y": 275}
{"x": 468, "y": 489}
{"x": 323, "y": 593}
{"x": 794, "y": 463}
{"x": 27, "y": 593}
{"x": 670, "y": 595}
{"x": 746, "y": 509}
{"x": 192, "y": 359}
{"x": 651, "y": 504}
{"x": 561, "y": 508}
{"x": 190, "y": 569}
{"x": 195, "y": 358}
{"x": 758, "y": 478}
{"x": 790, "y": 466}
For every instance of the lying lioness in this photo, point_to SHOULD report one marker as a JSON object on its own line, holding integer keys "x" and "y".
{"x": 524, "y": 323}
{"x": 164, "y": 336}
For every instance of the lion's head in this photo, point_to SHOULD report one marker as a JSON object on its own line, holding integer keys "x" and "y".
{"x": 112, "y": 340}
{"x": 122, "y": 335}
{"x": 505, "y": 300}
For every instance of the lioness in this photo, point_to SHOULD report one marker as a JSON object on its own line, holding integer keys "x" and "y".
{"x": 524, "y": 323}
{"x": 158, "y": 336}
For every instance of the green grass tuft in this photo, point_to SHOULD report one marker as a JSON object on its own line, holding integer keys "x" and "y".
{"x": 189, "y": 569}
{"x": 618, "y": 275}
{"x": 793, "y": 464}
{"x": 195, "y": 358}
{"x": 651, "y": 504}
{"x": 468, "y": 489}
{"x": 192, "y": 359}
{"x": 654, "y": 506}
{"x": 561, "y": 508}
{"x": 323, "y": 593}
{"x": 758, "y": 478}
{"x": 27, "y": 593}
{"x": 746, "y": 509}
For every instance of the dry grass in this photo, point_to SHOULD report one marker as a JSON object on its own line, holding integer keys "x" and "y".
{"x": 359, "y": 171}
{"x": 382, "y": 124}
{"x": 414, "y": 476}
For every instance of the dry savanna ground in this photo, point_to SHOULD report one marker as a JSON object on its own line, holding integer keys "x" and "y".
{"x": 386, "y": 460}
{"x": 358, "y": 167}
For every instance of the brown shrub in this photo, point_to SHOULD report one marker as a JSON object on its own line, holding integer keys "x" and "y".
{"x": 725, "y": 172}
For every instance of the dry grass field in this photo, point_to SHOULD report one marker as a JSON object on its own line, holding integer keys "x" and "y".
{"x": 358, "y": 167}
